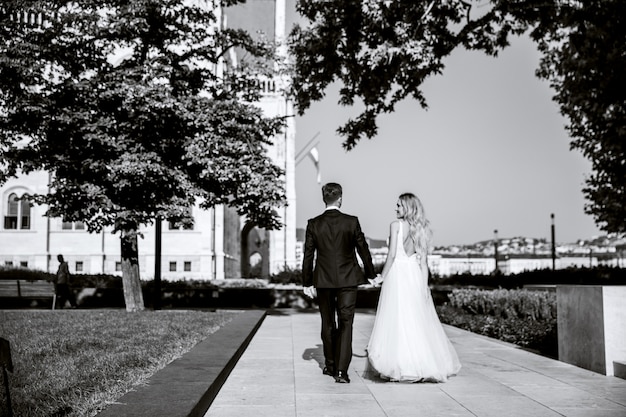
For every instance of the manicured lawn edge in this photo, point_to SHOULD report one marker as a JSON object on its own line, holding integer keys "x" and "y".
{"x": 188, "y": 385}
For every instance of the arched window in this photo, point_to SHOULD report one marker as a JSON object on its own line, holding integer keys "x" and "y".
{"x": 10, "y": 220}
{"x": 17, "y": 214}
{"x": 25, "y": 215}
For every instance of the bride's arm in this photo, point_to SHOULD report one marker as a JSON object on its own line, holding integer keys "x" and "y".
{"x": 424, "y": 267}
{"x": 393, "y": 243}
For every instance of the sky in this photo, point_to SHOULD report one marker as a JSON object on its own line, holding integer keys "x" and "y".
{"x": 490, "y": 153}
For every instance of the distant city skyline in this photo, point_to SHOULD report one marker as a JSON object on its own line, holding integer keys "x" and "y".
{"x": 491, "y": 152}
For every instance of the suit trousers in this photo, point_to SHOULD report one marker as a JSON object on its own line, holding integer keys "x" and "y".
{"x": 65, "y": 293}
{"x": 337, "y": 310}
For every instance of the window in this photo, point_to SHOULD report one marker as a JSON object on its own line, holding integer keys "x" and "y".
{"x": 187, "y": 266}
{"x": 10, "y": 220}
{"x": 118, "y": 266}
{"x": 73, "y": 226}
{"x": 8, "y": 263}
{"x": 79, "y": 266}
{"x": 24, "y": 264}
{"x": 172, "y": 266}
{"x": 17, "y": 213}
{"x": 25, "y": 212}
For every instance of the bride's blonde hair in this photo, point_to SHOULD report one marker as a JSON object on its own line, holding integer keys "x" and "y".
{"x": 413, "y": 213}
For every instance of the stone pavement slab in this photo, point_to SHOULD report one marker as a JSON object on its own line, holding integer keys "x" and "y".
{"x": 280, "y": 374}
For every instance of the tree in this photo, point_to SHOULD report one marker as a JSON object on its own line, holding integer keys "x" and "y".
{"x": 127, "y": 104}
{"x": 382, "y": 52}
{"x": 584, "y": 61}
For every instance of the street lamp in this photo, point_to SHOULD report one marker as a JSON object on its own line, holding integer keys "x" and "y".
{"x": 553, "y": 244}
{"x": 495, "y": 246}
{"x": 157, "y": 263}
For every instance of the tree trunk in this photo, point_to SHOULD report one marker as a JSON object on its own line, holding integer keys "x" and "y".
{"x": 133, "y": 295}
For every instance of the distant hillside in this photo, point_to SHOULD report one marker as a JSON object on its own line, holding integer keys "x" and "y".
{"x": 526, "y": 245}
{"x": 518, "y": 245}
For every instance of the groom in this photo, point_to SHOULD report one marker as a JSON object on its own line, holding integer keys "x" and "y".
{"x": 335, "y": 237}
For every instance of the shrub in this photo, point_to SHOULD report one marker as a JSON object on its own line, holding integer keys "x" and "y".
{"x": 25, "y": 274}
{"x": 539, "y": 335}
{"x": 239, "y": 283}
{"x": 536, "y": 305}
{"x": 96, "y": 281}
{"x": 77, "y": 280}
{"x": 294, "y": 275}
{"x": 600, "y": 275}
{"x": 525, "y": 318}
{"x": 190, "y": 285}
{"x": 291, "y": 299}
{"x": 287, "y": 276}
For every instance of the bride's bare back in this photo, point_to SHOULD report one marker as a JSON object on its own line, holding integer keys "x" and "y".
{"x": 408, "y": 242}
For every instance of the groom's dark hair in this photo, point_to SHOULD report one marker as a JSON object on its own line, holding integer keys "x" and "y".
{"x": 331, "y": 192}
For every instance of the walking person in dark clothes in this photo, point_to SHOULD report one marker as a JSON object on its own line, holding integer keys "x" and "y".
{"x": 62, "y": 284}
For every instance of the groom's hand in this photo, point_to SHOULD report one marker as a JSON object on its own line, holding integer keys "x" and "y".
{"x": 375, "y": 282}
{"x": 310, "y": 291}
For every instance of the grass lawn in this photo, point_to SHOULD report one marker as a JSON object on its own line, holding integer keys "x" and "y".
{"x": 75, "y": 362}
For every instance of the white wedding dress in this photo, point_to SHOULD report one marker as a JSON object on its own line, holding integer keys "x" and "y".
{"x": 408, "y": 343}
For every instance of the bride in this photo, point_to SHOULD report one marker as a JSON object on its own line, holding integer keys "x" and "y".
{"x": 408, "y": 343}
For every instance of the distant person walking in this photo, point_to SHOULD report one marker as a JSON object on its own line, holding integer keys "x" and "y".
{"x": 62, "y": 284}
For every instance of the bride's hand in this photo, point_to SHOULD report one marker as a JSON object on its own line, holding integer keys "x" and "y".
{"x": 376, "y": 282}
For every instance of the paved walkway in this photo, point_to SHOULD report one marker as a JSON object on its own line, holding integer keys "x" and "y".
{"x": 280, "y": 375}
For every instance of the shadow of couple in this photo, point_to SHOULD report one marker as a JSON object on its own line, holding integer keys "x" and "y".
{"x": 317, "y": 354}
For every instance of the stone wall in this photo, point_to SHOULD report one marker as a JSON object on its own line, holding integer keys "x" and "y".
{"x": 592, "y": 326}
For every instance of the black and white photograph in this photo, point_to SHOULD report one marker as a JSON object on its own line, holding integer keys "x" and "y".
{"x": 306, "y": 208}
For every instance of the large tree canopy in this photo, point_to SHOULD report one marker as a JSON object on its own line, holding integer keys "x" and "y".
{"x": 381, "y": 52}
{"x": 123, "y": 102}
{"x": 585, "y": 62}
{"x": 129, "y": 105}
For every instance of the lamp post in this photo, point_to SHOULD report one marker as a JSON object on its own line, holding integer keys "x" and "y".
{"x": 495, "y": 246}
{"x": 157, "y": 263}
{"x": 553, "y": 244}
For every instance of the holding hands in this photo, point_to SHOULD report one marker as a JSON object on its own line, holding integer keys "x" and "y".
{"x": 377, "y": 281}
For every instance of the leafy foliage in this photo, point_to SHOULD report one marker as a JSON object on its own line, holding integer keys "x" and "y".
{"x": 585, "y": 64}
{"x": 128, "y": 105}
{"x": 287, "y": 276}
{"x": 381, "y": 52}
{"x": 132, "y": 109}
{"x": 536, "y": 305}
{"x": 527, "y": 333}
{"x": 525, "y": 318}
{"x": 12, "y": 273}
{"x": 600, "y": 275}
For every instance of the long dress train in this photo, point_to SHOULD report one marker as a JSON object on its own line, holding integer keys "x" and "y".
{"x": 408, "y": 343}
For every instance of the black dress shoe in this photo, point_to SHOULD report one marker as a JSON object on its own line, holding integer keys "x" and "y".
{"x": 328, "y": 371}
{"x": 342, "y": 377}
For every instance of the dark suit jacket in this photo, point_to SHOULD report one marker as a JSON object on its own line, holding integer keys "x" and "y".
{"x": 336, "y": 238}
